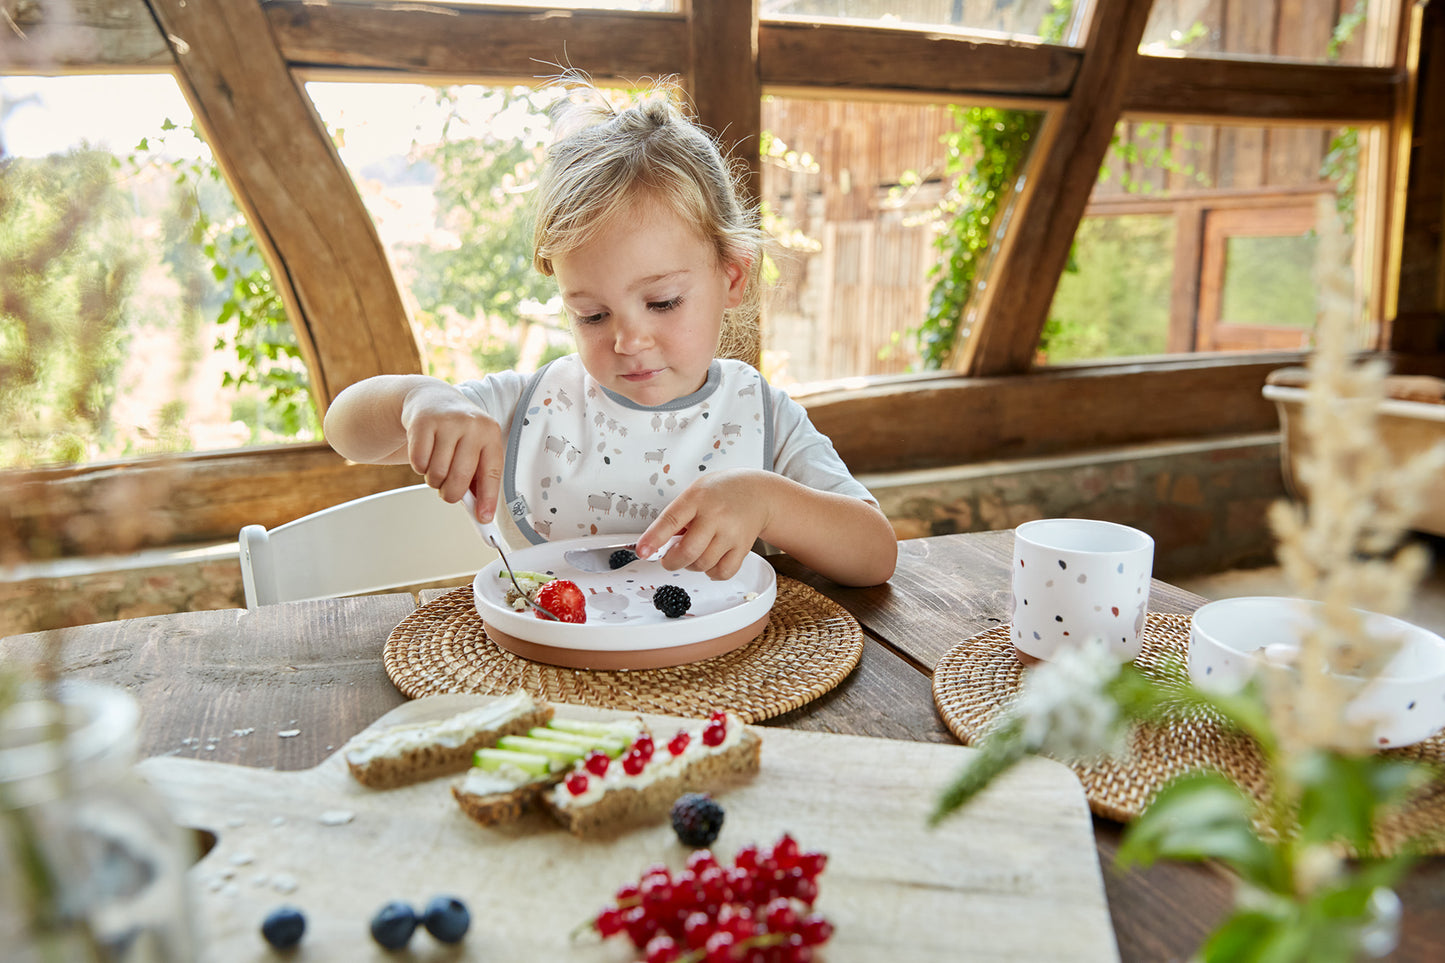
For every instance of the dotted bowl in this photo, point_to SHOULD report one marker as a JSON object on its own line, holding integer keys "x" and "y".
{"x": 1404, "y": 704}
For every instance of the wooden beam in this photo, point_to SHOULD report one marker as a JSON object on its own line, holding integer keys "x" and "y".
{"x": 440, "y": 42}
{"x": 325, "y": 256}
{"x": 1245, "y": 91}
{"x": 1000, "y": 333}
{"x": 847, "y": 57}
{"x": 950, "y": 419}
{"x": 1418, "y": 325}
{"x": 722, "y": 81}
{"x": 722, "y": 78}
{"x": 80, "y": 36}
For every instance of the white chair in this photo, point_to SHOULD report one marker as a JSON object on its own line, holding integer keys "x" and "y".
{"x": 406, "y": 536}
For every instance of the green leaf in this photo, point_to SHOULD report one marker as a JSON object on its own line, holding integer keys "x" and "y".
{"x": 1200, "y": 816}
{"x": 1240, "y": 938}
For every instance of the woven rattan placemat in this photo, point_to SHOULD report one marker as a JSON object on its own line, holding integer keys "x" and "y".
{"x": 981, "y": 676}
{"x": 810, "y": 645}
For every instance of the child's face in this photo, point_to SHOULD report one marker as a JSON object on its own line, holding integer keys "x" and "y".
{"x": 646, "y": 300}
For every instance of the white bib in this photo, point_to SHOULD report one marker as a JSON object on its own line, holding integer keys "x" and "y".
{"x": 582, "y": 460}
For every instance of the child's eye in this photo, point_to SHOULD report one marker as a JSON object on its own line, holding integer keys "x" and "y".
{"x": 587, "y": 318}
{"x": 668, "y": 305}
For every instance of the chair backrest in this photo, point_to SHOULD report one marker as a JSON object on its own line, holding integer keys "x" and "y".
{"x": 406, "y": 536}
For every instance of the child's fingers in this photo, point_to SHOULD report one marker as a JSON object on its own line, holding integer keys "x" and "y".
{"x": 419, "y": 450}
{"x": 672, "y": 521}
{"x": 487, "y": 479}
{"x": 461, "y": 466}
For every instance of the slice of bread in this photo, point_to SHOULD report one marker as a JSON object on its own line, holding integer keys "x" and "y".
{"x": 412, "y": 752}
{"x": 622, "y": 799}
{"x": 493, "y": 806}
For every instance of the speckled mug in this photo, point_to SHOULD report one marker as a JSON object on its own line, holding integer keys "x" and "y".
{"x": 1076, "y": 579}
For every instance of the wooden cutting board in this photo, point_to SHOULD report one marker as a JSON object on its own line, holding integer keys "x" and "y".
{"x": 1013, "y": 877}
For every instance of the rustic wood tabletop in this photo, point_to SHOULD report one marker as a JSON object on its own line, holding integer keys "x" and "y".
{"x": 223, "y": 685}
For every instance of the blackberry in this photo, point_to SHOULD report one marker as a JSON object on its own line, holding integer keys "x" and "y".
{"x": 393, "y": 925}
{"x": 697, "y": 819}
{"x": 621, "y": 557}
{"x": 671, "y": 600}
{"x": 283, "y": 926}
{"x": 447, "y": 919}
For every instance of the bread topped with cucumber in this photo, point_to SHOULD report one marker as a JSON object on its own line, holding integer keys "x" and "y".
{"x": 593, "y": 777}
{"x": 400, "y": 755}
{"x": 509, "y": 779}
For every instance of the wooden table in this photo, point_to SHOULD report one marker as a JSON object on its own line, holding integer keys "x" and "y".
{"x": 220, "y": 685}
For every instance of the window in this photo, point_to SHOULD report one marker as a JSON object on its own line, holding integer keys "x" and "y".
{"x": 154, "y": 329}
{"x": 1208, "y": 238}
{"x": 1360, "y": 32}
{"x": 875, "y": 205}
{"x": 444, "y": 173}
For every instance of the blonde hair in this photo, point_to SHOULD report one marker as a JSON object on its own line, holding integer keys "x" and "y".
{"x": 605, "y": 158}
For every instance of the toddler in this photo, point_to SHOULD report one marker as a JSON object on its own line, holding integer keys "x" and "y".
{"x": 643, "y": 429}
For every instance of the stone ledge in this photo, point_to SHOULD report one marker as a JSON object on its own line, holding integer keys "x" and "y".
{"x": 1203, "y": 501}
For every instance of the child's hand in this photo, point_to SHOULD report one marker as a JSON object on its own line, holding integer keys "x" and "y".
{"x": 722, "y": 514}
{"x": 455, "y": 444}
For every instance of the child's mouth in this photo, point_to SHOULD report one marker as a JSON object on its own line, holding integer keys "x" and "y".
{"x": 635, "y": 376}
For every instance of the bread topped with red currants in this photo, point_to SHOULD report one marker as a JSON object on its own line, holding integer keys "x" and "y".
{"x": 624, "y": 777}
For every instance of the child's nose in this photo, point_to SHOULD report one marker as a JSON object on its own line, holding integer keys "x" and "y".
{"x": 632, "y": 335}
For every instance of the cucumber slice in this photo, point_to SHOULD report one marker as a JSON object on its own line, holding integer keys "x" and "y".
{"x": 559, "y": 752}
{"x": 611, "y": 745}
{"x": 615, "y": 730}
{"x": 494, "y": 760}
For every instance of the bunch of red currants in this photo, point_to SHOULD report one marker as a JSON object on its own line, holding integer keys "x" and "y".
{"x": 758, "y": 910}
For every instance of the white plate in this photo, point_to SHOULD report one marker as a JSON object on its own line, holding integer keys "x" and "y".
{"x": 623, "y": 628}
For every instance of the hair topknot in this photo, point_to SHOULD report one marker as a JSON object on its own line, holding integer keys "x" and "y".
{"x": 610, "y": 153}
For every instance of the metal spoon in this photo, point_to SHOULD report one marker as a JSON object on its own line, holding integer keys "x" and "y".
{"x": 493, "y": 534}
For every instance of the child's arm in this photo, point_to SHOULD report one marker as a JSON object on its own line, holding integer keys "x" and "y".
{"x": 424, "y": 422}
{"x": 841, "y": 537}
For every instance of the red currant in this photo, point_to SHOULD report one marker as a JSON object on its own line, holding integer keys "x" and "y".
{"x": 747, "y": 857}
{"x": 633, "y": 762}
{"x": 641, "y": 926}
{"x": 719, "y": 947}
{"x": 805, "y": 890}
{"x": 643, "y": 746}
{"x": 662, "y": 949}
{"x": 697, "y": 928}
{"x": 608, "y": 922}
{"x": 780, "y": 915}
{"x": 714, "y": 733}
{"x": 577, "y": 783}
{"x": 812, "y": 864}
{"x": 677, "y": 745}
{"x": 701, "y": 859}
{"x": 596, "y": 762}
{"x": 786, "y": 851}
{"x": 814, "y": 929}
{"x": 718, "y": 716}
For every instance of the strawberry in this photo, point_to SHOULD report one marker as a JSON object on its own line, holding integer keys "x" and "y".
{"x": 563, "y": 599}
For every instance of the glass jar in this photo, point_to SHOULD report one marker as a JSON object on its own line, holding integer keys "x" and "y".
{"x": 92, "y": 867}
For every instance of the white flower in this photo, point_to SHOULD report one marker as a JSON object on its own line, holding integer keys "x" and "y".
{"x": 1065, "y": 709}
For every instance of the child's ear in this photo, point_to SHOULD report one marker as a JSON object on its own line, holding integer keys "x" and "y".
{"x": 737, "y": 271}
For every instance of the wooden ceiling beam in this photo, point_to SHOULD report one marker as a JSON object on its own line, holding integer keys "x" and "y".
{"x": 437, "y": 42}
{"x": 1000, "y": 331}
{"x": 326, "y": 259}
{"x": 1261, "y": 91}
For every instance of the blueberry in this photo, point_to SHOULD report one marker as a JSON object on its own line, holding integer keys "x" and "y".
{"x": 447, "y": 919}
{"x": 393, "y": 925}
{"x": 283, "y": 927}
